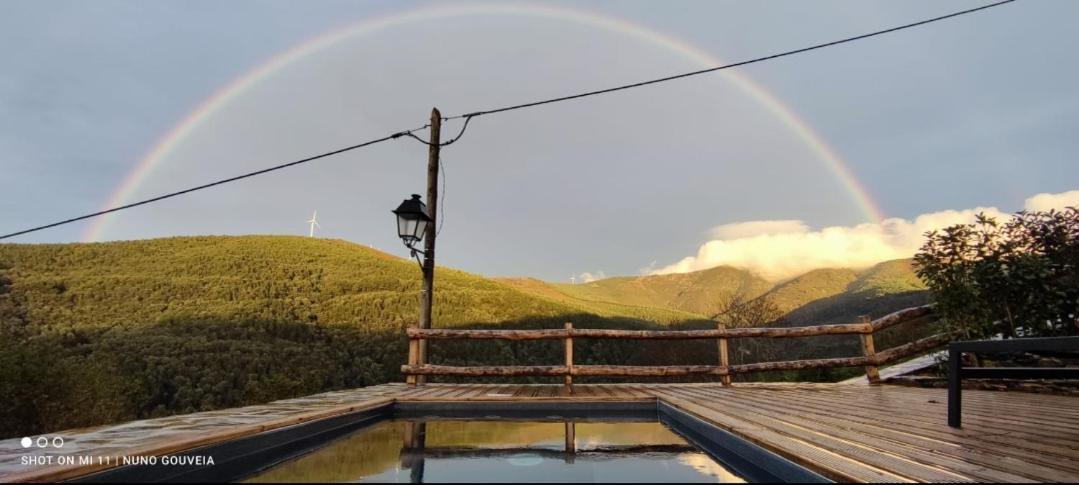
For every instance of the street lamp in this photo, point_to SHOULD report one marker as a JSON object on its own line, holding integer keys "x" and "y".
{"x": 412, "y": 221}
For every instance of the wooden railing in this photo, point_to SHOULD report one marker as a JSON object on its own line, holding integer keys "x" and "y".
{"x": 870, "y": 358}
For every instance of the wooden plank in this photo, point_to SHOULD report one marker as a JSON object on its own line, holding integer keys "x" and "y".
{"x": 441, "y": 392}
{"x": 463, "y": 391}
{"x": 584, "y": 391}
{"x": 635, "y": 391}
{"x": 832, "y": 465}
{"x": 999, "y": 462}
{"x": 896, "y": 456}
{"x": 875, "y": 456}
{"x": 929, "y": 414}
{"x": 609, "y": 391}
{"x": 873, "y": 419}
{"x": 886, "y": 411}
{"x": 547, "y": 391}
{"x": 525, "y": 391}
{"x": 1005, "y": 420}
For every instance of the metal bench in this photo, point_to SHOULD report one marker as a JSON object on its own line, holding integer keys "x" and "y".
{"x": 956, "y": 371}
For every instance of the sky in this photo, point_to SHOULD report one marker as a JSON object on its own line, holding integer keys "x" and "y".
{"x": 739, "y": 167}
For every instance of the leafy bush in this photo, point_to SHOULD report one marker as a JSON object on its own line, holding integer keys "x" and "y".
{"x": 1018, "y": 278}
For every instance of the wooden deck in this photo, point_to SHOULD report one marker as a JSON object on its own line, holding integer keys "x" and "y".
{"x": 846, "y": 432}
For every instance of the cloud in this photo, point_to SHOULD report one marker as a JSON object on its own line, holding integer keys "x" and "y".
{"x": 783, "y": 249}
{"x": 739, "y": 230}
{"x": 1043, "y": 202}
{"x": 588, "y": 277}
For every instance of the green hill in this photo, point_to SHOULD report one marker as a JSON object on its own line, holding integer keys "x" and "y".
{"x": 665, "y": 316}
{"x": 93, "y": 333}
{"x": 875, "y": 291}
{"x": 699, "y": 292}
{"x": 104, "y": 332}
{"x": 821, "y": 296}
{"x": 814, "y": 285}
{"x": 888, "y": 278}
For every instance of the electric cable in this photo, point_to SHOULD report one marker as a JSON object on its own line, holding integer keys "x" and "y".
{"x": 468, "y": 116}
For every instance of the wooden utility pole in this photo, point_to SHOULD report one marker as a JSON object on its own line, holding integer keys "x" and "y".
{"x": 427, "y": 297}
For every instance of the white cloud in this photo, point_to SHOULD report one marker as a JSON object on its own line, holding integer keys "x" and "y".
{"x": 588, "y": 277}
{"x": 786, "y": 248}
{"x": 1043, "y": 202}
{"x": 739, "y": 230}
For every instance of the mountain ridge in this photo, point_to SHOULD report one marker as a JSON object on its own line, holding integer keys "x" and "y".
{"x": 703, "y": 292}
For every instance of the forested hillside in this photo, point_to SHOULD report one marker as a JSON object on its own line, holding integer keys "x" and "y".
{"x": 700, "y": 292}
{"x": 821, "y": 296}
{"x": 94, "y": 333}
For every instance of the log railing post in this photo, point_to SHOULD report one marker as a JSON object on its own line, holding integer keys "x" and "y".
{"x": 569, "y": 359}
{"x": 413, "y": 359}
{"x": 571, "y": 441}
{"x": 724, "y": 359}
{"x": 872, "y": 373}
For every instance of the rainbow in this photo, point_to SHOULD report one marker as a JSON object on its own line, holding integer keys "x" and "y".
{"x": 281, "y": 61}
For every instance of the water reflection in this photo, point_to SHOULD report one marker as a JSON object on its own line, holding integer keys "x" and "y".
{"x": 415, "y": 451}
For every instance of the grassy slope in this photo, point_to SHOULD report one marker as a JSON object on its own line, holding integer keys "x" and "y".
{"x": 814, "y": 285}
{"x": 700, "y": 292}
{"x": 876, "y": 291}
{"x": 828, "y": 295}
{"x": 549, "y": 291}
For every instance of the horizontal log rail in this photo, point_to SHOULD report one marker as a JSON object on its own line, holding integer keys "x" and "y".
{"x": 870, "y": 358}
{"x": 901, "y": 316}
{"x": 597, "y": 333}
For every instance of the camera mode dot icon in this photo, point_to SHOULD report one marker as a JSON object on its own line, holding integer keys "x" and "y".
{"x": 27, "y": 442}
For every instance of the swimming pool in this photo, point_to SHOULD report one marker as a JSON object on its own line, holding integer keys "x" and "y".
{"x": 414, "y": 442}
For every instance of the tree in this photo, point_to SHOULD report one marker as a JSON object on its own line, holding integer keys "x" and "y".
{"x": 1017, "y": 278}
{"x": 740, "y": 311}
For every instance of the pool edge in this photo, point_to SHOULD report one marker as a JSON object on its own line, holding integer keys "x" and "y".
{"x": 744, "y": 456}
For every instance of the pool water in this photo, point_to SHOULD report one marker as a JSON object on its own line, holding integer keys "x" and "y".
{"x": 416, "y": 451}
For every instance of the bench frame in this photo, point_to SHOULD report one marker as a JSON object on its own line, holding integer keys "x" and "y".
{"x": 956, "y": 371}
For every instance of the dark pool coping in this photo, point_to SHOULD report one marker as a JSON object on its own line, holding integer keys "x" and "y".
{"x": 245, "y": 456}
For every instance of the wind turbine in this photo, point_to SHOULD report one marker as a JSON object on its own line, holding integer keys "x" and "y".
{"x": 573, "y": 279}
{"x": 314, "y": 223}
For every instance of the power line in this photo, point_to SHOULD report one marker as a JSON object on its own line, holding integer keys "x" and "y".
{"x": 450, "y": 142}
{"x": 468, "y": 116}
{"x": 212, "y": 184}
{"x": 728, "y": 66}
